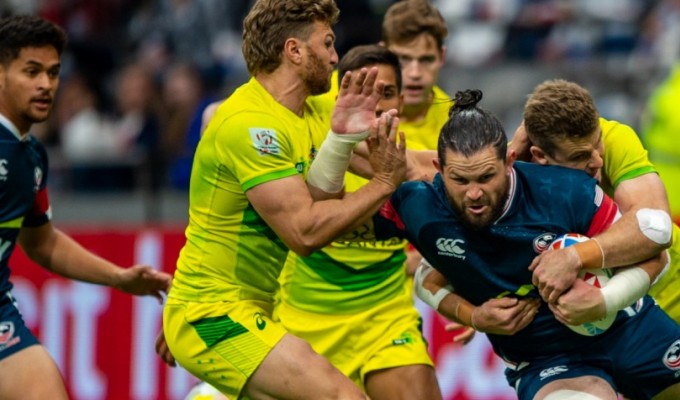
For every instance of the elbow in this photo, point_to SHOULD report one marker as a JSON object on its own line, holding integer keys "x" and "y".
{"x": 304, "y": 246}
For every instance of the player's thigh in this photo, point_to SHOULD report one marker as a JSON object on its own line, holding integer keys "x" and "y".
{"x": 588, "y": 385}
{"x": 292, "y": 370}
{"x": 403, "y": 383}
{"x": 30, "y": 374}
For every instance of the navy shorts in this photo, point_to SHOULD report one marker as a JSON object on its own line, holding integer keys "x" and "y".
{"x": 639, "y": 358}
{"x": 14, "y": 335}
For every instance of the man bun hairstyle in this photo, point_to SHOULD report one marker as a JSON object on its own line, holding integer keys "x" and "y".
{"x": 471, "y": 129}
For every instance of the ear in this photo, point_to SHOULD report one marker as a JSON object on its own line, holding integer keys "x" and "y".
{"x": 538, "y": 155}
{"x": 293, "y": 50}
{"x": 437, "y": 165}
{"x": 442, "y": 56}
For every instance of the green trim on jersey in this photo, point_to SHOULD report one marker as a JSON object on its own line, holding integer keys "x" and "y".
{"x": 230, "y": 253}
{"x": 13, "y": 223}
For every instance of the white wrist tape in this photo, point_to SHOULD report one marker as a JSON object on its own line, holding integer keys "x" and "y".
{"x": 425, "y": 295}
{"x": 327, "y": 172}
{"x": 656, "y": 225}
{"x": 624, "y": 288}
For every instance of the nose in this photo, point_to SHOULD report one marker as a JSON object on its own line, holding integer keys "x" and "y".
{"x": 334, "y": 56}
{"x": 411, "y": 68}
{"x": 474, "y": 193}
{"x": 595, "y": 161}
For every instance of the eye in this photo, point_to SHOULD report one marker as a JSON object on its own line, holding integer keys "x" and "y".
{"x": 389, "y": 93}
{"x": 427, "y": 60}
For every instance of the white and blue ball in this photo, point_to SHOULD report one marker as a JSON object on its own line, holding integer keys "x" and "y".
{"x": 597, "y": 277}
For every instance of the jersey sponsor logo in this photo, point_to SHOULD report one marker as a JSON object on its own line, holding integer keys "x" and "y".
{"x": 3, "y": 170}
{"x": 265, "y": 141}
{"x": 259, "y": 321}
{"x": 451, "y": 248}
{"x": 542, "y": 242}
{"x": 552, "y": 371}
{"x": 672, "y": 357}
{"x": 7, "y": 338}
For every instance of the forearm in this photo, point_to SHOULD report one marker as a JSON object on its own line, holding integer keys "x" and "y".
{"x": 624, "y": 244}
{"x": 64, "y": 256}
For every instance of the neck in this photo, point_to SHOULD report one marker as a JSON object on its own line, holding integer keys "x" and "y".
{"x": 286, "y": 88}
{"x": 416, "y": 112}
{"x": 19, "y": 131}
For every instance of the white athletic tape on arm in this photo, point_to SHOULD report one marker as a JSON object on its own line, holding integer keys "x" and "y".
{"x": 625, "y": 287}
{"x": 328, "y": 169}
{"x": 432, "y": 300}
{"x": 656, "y": 225}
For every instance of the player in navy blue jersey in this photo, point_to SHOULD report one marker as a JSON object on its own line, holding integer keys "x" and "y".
{"x": 30, "y": 51}
{"x": 482, "y": 222}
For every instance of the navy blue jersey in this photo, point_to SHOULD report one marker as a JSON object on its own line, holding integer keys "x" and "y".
{"x": 543, "y": 202}
{"x": 23, "y": 194}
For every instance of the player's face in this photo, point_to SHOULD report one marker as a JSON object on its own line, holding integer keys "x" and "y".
{"x": 477, "y": 186}
{"x": 320, "y": 60}
{"x": 392, "y": 98}
{"x": 421, "y": 59}
{"x": 584, "y": 154}
{"x": 28, "y": 85}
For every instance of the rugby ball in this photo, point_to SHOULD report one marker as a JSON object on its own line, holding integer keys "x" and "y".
{"x": 597, "y": 277}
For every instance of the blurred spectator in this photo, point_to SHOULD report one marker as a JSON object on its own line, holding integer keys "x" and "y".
{"x": 183, "y": 98}
{"x": 661, "y": 135}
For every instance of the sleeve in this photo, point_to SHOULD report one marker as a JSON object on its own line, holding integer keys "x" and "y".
{"x": 255, "y": 147}
{"x": 624, "y": 156}
{"x": 387, "y": 223}
{"x": 606, "y": 213}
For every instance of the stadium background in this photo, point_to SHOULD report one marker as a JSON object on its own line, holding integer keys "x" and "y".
{"x": 127, "y": 201}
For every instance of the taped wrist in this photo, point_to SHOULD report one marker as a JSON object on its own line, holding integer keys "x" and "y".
{"x": 431, "y": 299}
{"x": 624, "y": 288}
{"x": 590, "y": 253}
{"x": 327, "y": 172}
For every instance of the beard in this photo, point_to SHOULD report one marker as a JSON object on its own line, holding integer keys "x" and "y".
{"x": 317, "y": 76}
{"x": 479, "y": 222}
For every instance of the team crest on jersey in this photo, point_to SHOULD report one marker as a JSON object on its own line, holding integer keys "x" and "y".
{"x": 7, "y": 338}
{"x": 38, "y": 178}
{"x": 542, "y": 242}
{"x": 265, "y": 141}
{"x": 672, "y": 357}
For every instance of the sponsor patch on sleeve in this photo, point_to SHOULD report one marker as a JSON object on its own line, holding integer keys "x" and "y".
{"x": 265, "y": 141}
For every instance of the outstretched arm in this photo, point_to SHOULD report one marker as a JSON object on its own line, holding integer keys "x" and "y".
{"x": 59, "y": 253}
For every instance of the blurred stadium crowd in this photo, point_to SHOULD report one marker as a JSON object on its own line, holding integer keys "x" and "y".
{"x": 137, "y": 73}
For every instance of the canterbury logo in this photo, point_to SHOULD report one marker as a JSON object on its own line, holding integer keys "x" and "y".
{"x": 548, "y": 372}
{"x": 451, "y": 247}
{"x": 3, "y": 167}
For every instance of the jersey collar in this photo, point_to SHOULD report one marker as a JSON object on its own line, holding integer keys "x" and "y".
{"x": 12, "y": 128}
{"x": 511, "y": 194}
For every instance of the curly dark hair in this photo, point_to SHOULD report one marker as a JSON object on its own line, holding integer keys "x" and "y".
{"x": 21, "y": 31}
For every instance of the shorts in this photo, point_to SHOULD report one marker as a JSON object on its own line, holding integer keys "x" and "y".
{"x": 384, "y": 336}
{"x": 14, "y": 335}
{"x": 221, "y": 343}
{"x": 639, "y": 358}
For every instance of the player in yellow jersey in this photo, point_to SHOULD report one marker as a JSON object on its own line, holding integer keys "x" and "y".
{"x": 415, "y": 31}
{"x": 254, "y": 195}
{"x": 349, "y": 299}
{"x": 619, "y": 161}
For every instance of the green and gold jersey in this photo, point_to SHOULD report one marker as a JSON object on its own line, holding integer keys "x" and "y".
{"x": 231, "y": 253}
{"x": 625, "y": 158}
{"x": 424, "y": 134}
{"x": 348, "y": 276}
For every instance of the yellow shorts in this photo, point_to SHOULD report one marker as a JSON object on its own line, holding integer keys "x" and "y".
{"x": 666, "y": 292}
{"x": 385, "y": 336}
{"x": 221, "y": 343}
